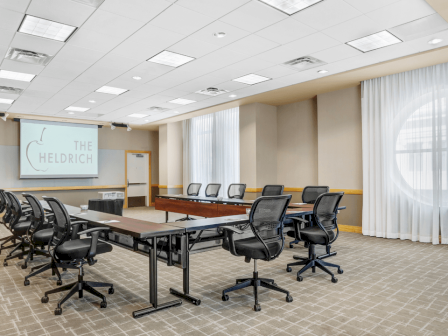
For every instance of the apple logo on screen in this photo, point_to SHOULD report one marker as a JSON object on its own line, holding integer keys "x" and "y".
{"x": 40, "y": 143}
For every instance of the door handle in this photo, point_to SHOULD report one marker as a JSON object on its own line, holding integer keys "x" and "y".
{"x": 128, "y": 182}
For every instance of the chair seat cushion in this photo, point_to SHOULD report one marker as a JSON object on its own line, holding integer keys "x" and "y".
{"x": 315, "y": 235}
{"x": 79, "y": 248}
{"x": 42, "y": 237}
{"x": 251, "y": 247}
{"x": 291, "y": 233}
{"x": 21, "y": 228}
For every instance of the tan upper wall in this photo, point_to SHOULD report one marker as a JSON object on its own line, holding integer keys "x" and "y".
{"x": 175, "y": 155}
{"x": 9, "y": 133}
{"x": 248, "y": 162}
{"x": 163, "y": 158}
{"x": 340, "y": 139}
{"x": 297, "y": 144}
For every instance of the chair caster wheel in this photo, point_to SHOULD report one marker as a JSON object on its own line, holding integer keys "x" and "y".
{"x": 58, "y": 311}
{"x": 45, "y": 299}
{"x": 334, "y": 280}
{"x": 103, "y": 304}
{"x": 289, "y": 298}
{"x": 111, "y": 290}
{"x": 340, "y": 271}
{"x": 257, "y": 307}
{"x": 24, "y": 266}
{"x": 5, "y": 264}
{"x": 197, "y": 302}
{"x": 59, "y": 283}
{"x": 299, "y": 278}
{"x": 288, "y": 269}
{"x": 64, "y": 269}
{"x": 225, "y": 297}
{"x": 26, "y": 282}
{"x": 291, "y": 246}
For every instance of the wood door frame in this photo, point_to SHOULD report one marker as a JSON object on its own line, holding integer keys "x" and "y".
{"x": 126, "y": 152}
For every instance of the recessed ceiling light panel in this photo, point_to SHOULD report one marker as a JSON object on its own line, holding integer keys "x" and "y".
{"x": 435, "y": 41}
{"x": 182, "y": 101}
{"x": 219, "y": 34}
{"x": 24, "y": 77}
{"x": 137, "y": 115}
{"x": 304, "y": 63}
{"x": 290, "y": 6}
{"x": 211, "y": 91}
{"x": 92, "y": 101}
{"x": 111, "y": 90}
{"x": 45, "y": 28}
{"x": 251, "y": 79}
{"x": 136, "y": 77}
{"x": 27, "y": 56}
{"x": 374, "y": 41}
{"x": 171, "y": 59}
{"x": 77, "y": 109}
{"x": 232, "y": 96}
{"x": 6, "y": 101}
{"x": 322, "y": 71}
{"x": 10, "y": 90}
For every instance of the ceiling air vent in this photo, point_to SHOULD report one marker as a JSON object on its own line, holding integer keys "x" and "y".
{"x": 157, "y": 109}
{"x": 27, "y": 56}
{"x": 304, "y": 63}
{"x": 211, "y": 91}
{"x": 10, "y": 90}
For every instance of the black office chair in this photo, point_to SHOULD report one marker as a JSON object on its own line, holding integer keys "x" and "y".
{"x": 322, "y": 233}
{"x": 4, "y": 207}
{"x": 74, "y": 254}
{"x": 192, "y": 190}
{"x": 18, "y": 225}
{"x": 266, "y": 221}
{"x": 212, "y": 189}
{"x": 236, "y": 190}
{"x": 309, "y": 196}
{"x": 272, "y": 190}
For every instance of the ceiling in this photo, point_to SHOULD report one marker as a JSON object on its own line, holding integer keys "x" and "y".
{"x": 114, "y": 41}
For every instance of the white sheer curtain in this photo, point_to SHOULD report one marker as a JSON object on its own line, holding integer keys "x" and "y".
{"x": 212, "y": 150}
{"x": 404, "y": 125}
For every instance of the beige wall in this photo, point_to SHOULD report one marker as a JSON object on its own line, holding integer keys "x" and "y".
{"x": 163, "y": 159}
{"x": 248, "y": 162}
{"x": 340, "y": 139}
{"x": 297, "y": 144}
{"x": 9, "y": 133}
{"x": 170, "y": 155}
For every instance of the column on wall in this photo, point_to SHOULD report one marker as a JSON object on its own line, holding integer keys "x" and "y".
{"x": 170, "y": 158}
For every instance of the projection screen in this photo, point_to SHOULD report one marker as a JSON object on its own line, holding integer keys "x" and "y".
{"x": 58, "y": 150}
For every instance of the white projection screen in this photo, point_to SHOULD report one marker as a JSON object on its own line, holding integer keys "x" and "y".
{"x": 58, "y": 150}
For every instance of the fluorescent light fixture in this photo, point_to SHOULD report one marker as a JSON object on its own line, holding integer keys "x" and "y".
{"x": 111, "y": 90}
{"x": 92, "y": 101}
{"x": 290, "y": 6}
{"x": 171, "y": 59}
{"x": 374, "y": 41}
{"x": 6, "y": 101}
{"x": 137, "y": 115}
{"x": 182, "y": 101}
{"x": 5, "y": 115}
{"x": 435, "y": 41}
{"x": 137, "y": 77}
{"x": 24, "y": 77}
{"x": 251, "y": 79}
{"x": 77, "y": 109}
{"x": 45, "y": 28}
{"x": 219, "y": 34}
{"x": 232, "y": 96}
{"x": 322, "y": 71}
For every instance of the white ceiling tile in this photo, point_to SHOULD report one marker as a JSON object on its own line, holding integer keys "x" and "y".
{"x": 181, "y": 20}
{"x": 64, "y": 69}
{"x": 286, "y": 31}
{"x": 10, "y": 20}
{"x": 212, "y": 8}
{"x": 193, "y": 47}
{"x": 251, "y": 45}
{"x": 401, "y": 12}
{"x": 251, "y": 65}
{"x": 135, "y": 9}
{"x": 231, "y": 85}
{"x": 37, "y": 44}
{"x": 206, "y": 34}
{"x": 16, "y": 5}
{"x": 9, "y": 95}
{"x": 6, "y": 37}
{"x": 39, "y": 93}
{"x": 21, "y": 67}
{"x": 353, "y": 29}
{"x": 175, "y": 93}
{"x": 151, "y": 89}
{"x": 99, "y": 99}
{"x": 14, "y": 83}
{"x": 72, "y": 52}
{"x": 366, "y": 6}
{"x": 199, "y": 83}
{"x": 196, "y": 97}
{"x": 279, "y": 55}
{"x": 124, "y": 82}
{"x": 276, "y": 71}
{"x": 254, "y": 16}
{"x": 425, "y": 26}
{"x": 337, "y": 53}
{"x": 63, "y": 11}
{"x": 312, "y": 43}
{"x": 47, "y": 84}
{"x": 88, "y": 39}
{"x": 326, "y": 14}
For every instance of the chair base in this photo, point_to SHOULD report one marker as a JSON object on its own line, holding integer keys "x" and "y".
{"x": 78, "y": 287}
{"x": 312, "y": 262}
{"x": 185, "y": 219}
{"x": 255, "y": 282}
{"x": 9, "y": 239}
{"x": 42, "y": 268}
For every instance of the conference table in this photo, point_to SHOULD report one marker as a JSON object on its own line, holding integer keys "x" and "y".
{"x": 175, "y": 248}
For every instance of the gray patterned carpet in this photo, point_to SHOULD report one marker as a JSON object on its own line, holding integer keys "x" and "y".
{"x": 389, "y": 287}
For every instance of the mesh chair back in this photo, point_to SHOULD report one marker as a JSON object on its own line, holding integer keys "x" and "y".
{"x": 236, "y": 190}
{"x": 272, "y": 190}
{"x": 193, "y": 189}
{"x": 7, "y": 216}
{"x": 2, "y": 201}
{"x": 325, "y": 211}
{"x": 38, "y": 217}
{"x": 311, "y": 193}
{"x": 266, "y": 221}
{"x": 16, "y": 209}
{"x": 62, "y": 223}
{"x": 212, "y": 189}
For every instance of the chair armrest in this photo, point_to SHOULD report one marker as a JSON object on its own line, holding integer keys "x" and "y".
{"x": 299, "y": 219}
{"x": 233, "y": 229}
{"x": 94, "y": 243}
{"x": 228, "y": 235}
{"x": 75, "y": 228}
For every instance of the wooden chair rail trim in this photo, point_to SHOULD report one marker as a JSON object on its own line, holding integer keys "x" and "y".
{"x": 350, "y": 228}
{"x": 118, "y": 186}
{"x": 176, "y": 186}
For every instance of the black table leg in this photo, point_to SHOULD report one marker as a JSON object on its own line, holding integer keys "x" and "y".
{"x": 186, "y": 280}
{"x": 166, "y": 216}
{"x": 153, "y": 286}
